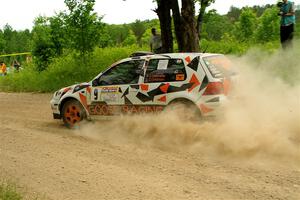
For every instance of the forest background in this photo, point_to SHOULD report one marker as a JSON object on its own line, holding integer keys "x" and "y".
{"x": 75, "y": 45}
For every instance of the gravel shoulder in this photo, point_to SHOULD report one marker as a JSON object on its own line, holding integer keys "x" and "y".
{"x": 57, "y": 163}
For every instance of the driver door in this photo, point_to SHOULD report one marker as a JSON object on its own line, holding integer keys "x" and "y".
{"x": 115, "y": 87}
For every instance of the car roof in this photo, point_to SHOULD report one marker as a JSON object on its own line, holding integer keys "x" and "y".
{"x": 169, "y": 55}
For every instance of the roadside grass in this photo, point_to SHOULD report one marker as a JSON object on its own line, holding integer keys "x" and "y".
{"x": 8, "y": 191}
{"x": 63, "y": 71}
{"x": 70, "y": 69}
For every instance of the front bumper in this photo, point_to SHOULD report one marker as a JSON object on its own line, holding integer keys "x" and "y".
{"x": 55, "y": 109}
{"x": 56, "y": 116}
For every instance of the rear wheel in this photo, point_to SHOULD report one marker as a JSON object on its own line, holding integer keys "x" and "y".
{"x": 72, "y": 113}
{"x": 186, "y": 110}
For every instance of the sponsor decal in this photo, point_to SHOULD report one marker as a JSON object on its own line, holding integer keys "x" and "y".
{"x": 109, "y": 97}
{"x": 156, "y": 78}
{"x": 180, "y": 77}
{"x": 109, "y": 110}
{"x": 109, "y": 90}
{"x": 102, "y": 109}
{"x": 109, "y": 94}
{"x": 134, "y": 109}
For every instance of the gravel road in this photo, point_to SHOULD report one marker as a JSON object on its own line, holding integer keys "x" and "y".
{"x": 139, "y": 157}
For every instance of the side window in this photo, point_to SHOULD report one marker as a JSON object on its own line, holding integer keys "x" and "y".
{"x": 165, "y": 70}
{"x": 123, "y": 73}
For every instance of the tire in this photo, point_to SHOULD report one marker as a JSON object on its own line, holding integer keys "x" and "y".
{"x": 185, "y": 110}
{"x": 72, "y": 113}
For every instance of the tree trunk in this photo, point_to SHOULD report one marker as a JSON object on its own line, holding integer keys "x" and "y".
{"x": 190, "y": 39}
{"x": 177, "y": 24}
{"x": 164, "y": 15}
{"x": 203, "y": 4}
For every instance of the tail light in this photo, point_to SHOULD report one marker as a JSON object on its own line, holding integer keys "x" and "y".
{"x": 214, "y": 88}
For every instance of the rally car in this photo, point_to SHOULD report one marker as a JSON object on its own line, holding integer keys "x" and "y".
{"x": 146, "y": 83}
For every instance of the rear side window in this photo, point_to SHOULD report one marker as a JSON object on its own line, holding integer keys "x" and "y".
{"x": 219, "y": 66}
{"x": 165, "y": 70}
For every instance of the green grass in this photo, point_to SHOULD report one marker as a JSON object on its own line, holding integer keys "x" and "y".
{"x": 8, "y": 191}
{"x": 63, "y": 71}
{"x": 70, "y": 69}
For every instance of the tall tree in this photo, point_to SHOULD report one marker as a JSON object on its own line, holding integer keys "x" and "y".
{"x": 267, "y": 29}
{"x": 165, "y": 20}
{"x": 246, "y": 26}
{"x": 10, "y": 39}
{"x": 215, "y": 26}
{"x": 189, "y": 27}
{"x": 138, "y": 29}
{"x": 234, "y": 13}
{"x": 59, "y": 33}
{"x": 203, "y": 5}
{"x": 83, "y": 25}
{"x": 184, "y": 24}
{"x": 2, "y": 42}
{"x": 43, "y": 46}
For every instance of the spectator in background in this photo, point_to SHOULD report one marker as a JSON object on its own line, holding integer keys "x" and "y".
{"x": 287, "y": 13}
{"x": 155, "y": 42}
{"x": 3, "y": 69}
{"x": 16, "y": 65}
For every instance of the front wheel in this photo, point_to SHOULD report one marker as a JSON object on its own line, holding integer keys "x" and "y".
{"x": 72, "y": 113}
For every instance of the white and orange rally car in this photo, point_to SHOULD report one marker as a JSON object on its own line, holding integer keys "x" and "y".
{"x": 148, "y": 84}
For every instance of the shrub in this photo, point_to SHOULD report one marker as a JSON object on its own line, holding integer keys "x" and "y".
{"x": 63, "y": 71}
{"x": 9, "y": 192}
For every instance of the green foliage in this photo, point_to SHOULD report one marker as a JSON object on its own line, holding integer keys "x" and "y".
{"x": 138, "y": 28}
{"x": 12, "y": 41}
{"x": 268, "y": 26}
{"x": 78, "y": 30}
{"x": 226, "y": 46}
{"x": 130, "y": 40}
{"x": 9, "y": 192}
{"x": 215, "y": 26}
{"x": 63, "y": 46}
{"x": 83, "y": 25}
{"x": 114, "y": 35}
{"x": 245, "y": 28}
{"x": 58, "y": 33}
{"x": 63, "y": 71}
{"x": 233, "y": 14}
{"x": 43, "y": 45}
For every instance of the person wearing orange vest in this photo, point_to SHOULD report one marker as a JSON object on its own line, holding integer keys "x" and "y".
{"x": 3, "y": 69}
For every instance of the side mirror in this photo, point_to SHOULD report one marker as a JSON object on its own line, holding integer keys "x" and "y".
{"x": 95, "y": 82}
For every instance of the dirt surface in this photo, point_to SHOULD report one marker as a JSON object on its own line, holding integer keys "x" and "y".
{"x": 100, "y": 161}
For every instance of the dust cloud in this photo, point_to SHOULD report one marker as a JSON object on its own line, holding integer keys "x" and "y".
{"x": 262, "y": 118}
